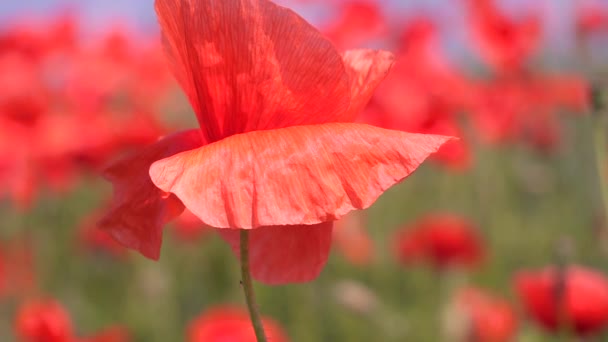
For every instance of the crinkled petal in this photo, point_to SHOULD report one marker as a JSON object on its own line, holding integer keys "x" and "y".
{"x": 251, "y": 65}
{"x": 291, "y": 176}
{"x": 366, "y": 69}
{"x": 139, "y": 209}
{"x": 284, "y": 254}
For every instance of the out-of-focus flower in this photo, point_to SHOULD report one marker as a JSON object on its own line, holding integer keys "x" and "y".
{"x": 423, "y": 94}
{"x": 574, "y": 298}
{"x": 43, "y": 321}
{"x": 27, "y": 39}
{"x": 54, "y": 88}
{"x": 277, "y": 151}
{"x": 442, "y": 240}
{"x": 489, "y": 319}
{"x": 504, "y": 43}
{"x": 46, "y": 320}
{"x": 23, "y": 96}
{"x": 356, "y": 23}
{"x": 518, "y": 104}
{"x": 352, "y": 239}
{"x": 524, "y": 108}
{"x": 230, "y": 324}
{"x": 591, "y": 19}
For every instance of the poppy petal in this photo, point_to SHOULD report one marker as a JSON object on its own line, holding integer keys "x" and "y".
{"x": 251, "y": 65}
{"x": 139, "y": 209}
{"x": 365, "y": 69}
{"x": 292, "y": 176}
{"x": 284, "y": 254}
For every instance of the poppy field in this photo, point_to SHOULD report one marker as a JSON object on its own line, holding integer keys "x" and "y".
{"x": 305, "y": 170}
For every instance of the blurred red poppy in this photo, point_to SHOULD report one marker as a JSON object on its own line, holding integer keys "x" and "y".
{"x": 423, "y": 94}
{"x": 525, "y": 107}
{"x": 47, "y": 321}
{"x": 230, "y": 324}
{"x": 43, "y": 321}
{"x": 23, "y": 96}
{"x": 53, "y": 88}
{"x": 355, "y": 23}
{"x": 352, "y": 239}
{"x": 574, "y": 299}
{"x": 591, "y": 19}
{"x": 490, "y": 319}
{"x": 276, "y": 151}
{"x": 442, "y": 240}
{"x": 504, "y": 43}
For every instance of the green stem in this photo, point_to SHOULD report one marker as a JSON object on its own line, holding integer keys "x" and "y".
{"x": 248, "y": 288}
{"x": 600, "y": 155}
{"x": 564, "y": 332}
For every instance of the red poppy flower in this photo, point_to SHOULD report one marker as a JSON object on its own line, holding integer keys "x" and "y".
{"x": 23, "y": 39}
{"x": 423, "y": 94}
{"x": 48, "y": 321}
{"x": 501, "y": 110}
{"x": 504, "y": 43}
{"x": 23, "y": 96}
{"x": 490, "y": 319}
{"x": 356, "y": 23}
{"x": 231, "y": 324}
{"x": 23, "y": 100}
{"x": 576, "y": 299}
{"x": 591, "y": 19}
{"x": 43, "y": 321}
{"x": 277, "y": 151}
{"x": 442, "y": 240}
{"x": 525, "y": 107}
{"x": 52, "y": 88}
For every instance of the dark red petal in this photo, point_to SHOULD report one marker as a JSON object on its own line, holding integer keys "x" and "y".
{"x": 251, "y": 65}
{"x": 284, "y": 254}
{"x": 365, "y": 69}
{"x": 139, "y": 209}
{"x": 292, "y": 176}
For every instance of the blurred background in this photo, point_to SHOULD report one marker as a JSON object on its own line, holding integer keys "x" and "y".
{"x": 500, "y": 236}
